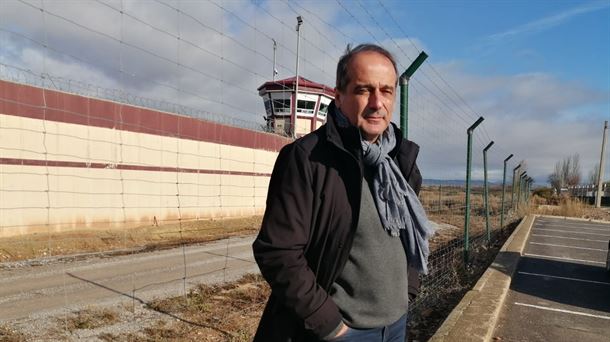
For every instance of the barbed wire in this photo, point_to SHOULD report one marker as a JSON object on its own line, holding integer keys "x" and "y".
{"x": 431, "y": 66}
{"x": 172, "y": 181}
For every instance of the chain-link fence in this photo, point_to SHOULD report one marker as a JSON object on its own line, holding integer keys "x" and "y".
{"x": 127, "y": 127}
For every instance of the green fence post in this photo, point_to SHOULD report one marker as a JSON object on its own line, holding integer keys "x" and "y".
{"x": 468, "y": 167}
{"x": 520, "y": 192}
{"x": 512, "y": 195}
{"x": 440, "y": 201}
{"x": 503, "y": 191}
{"x": 486, "y": 190}
{"x": 525, "y": 181}
{"x": 404, "y": 93}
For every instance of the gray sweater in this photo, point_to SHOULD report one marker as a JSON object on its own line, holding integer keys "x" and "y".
{"x": 371, "y": 291}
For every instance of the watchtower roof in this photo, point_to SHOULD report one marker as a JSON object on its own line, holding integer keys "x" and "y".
{"x": 304, "y": 85}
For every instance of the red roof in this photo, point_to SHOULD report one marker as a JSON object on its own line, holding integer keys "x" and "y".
{"x": 304, "y": 84}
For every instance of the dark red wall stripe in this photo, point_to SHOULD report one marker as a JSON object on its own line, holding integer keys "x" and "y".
{"x": 39, "y": 103}
{"x": 60, "y": 163}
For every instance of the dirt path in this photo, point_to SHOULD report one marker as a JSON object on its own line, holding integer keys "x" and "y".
{"x": 30, "y": 291}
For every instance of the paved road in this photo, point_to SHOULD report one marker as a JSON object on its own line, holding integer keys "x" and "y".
{"x": 43, "y": 290}
{"x": 560, "y": 291}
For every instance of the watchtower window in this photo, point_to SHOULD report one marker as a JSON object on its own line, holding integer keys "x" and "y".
{"x": 268, "y": 108}
{"x": 281, "y": 106}
{"x": 323, "y": 109}
{"x": 306, "y": 106}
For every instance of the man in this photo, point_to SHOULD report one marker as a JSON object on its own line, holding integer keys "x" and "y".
{"x": 343, "y": 222}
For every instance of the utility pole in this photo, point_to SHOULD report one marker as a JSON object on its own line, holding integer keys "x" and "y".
{"x": 600, "y": 176}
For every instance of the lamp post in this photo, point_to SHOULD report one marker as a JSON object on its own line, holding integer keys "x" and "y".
{"x": 503, "y": 191}
{"x": 469, "y": 131}
{"x": 404, "y": 92}
{"x": 274, "y": 52}
{"x": 296, "y": 80}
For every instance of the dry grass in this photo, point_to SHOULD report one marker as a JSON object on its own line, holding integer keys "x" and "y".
{"x": 145, "y": 237}
{"x": 231, "y": 312}
{"x": 450, "y": 209}
{"x": 569, "y": 207}
{"x": 8, "y": 334}
{"x": 450, "y": 206}
{"x": 90, "y": 318}
{"x": 210, "y": 313}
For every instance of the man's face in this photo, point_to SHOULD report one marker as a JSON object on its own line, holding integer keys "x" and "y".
{"x": 368, "y": 99}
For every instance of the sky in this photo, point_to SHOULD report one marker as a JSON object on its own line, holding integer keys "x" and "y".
{"x": 537, "y": 71}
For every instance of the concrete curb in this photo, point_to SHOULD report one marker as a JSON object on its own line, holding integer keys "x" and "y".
{"x": 475, "y": 317}
{"x": 574, "y": 218}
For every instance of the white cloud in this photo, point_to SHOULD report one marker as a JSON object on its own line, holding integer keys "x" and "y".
{"x": 225, "y": 52}
{"x": 548, "y": 22}
{"x": 536, "y": 116}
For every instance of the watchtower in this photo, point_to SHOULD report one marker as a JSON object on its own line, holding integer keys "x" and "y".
{"x": 311, "y": 111}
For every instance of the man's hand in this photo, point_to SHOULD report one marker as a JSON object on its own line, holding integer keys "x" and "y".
{"x": 342, "y": 331}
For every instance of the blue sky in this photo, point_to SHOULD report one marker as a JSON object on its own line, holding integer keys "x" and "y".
{"x": 569, "y": 39}
{"x": 566, "y": 42}
{"x": 538, "y": 71}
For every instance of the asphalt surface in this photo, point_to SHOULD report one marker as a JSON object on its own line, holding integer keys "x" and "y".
{"x": 33, "y": 291}
{"x": 560, "y": 290}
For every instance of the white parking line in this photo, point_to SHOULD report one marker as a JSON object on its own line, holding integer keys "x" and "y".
{"x": 564, "y": 311}
{"x": 563, "y": 258}
{"x": 554, "y": 245}
{"x": 568, "y": 231}
{"x": 579, "y": 227}
{"x": 565, "y": 278}
{"x": 569, "y": 238}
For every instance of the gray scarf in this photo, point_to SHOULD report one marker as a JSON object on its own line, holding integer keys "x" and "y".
{"x": 397, "y": 204}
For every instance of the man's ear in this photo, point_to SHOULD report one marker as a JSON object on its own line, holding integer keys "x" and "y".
{"x": 337, "y": 99}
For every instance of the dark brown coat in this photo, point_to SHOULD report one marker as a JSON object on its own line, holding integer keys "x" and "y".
{"x": 308, "y": 227}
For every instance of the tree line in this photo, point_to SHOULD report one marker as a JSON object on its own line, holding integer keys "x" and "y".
{"x": 567, "y": 173}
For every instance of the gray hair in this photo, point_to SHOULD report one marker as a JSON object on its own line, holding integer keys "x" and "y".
{"x": 342, "y": 74}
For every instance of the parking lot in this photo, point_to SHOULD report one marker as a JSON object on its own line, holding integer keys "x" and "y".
{"x": 561, "y": 290}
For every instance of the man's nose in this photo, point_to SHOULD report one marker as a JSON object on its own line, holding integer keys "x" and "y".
{"x": 375, "y": 101}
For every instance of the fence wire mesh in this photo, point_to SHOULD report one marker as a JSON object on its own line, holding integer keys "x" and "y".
{"x": 113, "y": 207}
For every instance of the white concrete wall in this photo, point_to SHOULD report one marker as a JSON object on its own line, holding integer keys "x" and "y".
{"x": 87, "y": 195}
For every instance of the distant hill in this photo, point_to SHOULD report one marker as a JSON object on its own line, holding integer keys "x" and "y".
{"x": 457, "y": 182}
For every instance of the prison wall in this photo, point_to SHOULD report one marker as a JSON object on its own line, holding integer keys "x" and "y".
{"x": 70, "y": 162}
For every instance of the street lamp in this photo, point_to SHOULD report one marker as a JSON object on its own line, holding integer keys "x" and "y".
{"x": 274, "y": 51}
{"x": 296, "y": 81}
